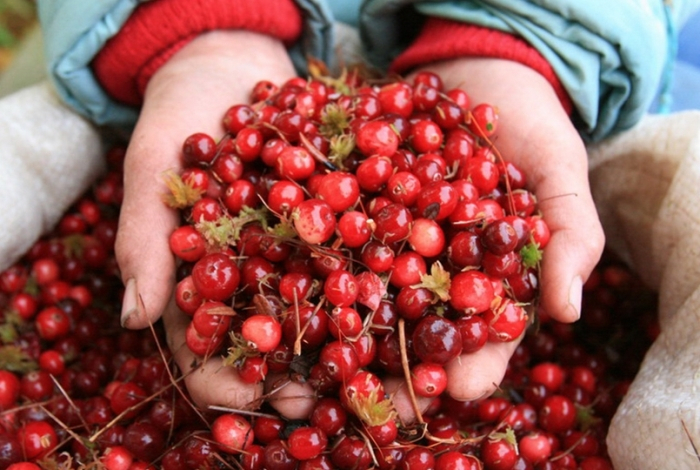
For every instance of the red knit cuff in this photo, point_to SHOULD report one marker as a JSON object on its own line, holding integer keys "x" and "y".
{"x": 442, "y": 39}
{"x": 158, "y": 29}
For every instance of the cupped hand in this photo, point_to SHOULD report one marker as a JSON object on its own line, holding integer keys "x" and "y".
{"x": 536, "y": 134}
{"x": 188, "y": 94}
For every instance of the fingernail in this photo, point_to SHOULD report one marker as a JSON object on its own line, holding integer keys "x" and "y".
{"x": 575, "y": 293}
{"x": 129, "y": 302}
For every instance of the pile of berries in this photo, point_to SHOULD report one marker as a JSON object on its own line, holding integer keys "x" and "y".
{"x": 332, "y": 212}
{"x": 340, "y": 233}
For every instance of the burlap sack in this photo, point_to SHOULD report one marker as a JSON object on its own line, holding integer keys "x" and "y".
{"x": 49, "y": 155}
{"x": 646, "y": 184}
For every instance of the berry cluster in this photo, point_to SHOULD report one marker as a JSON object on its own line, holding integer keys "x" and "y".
{"x": 77, "y": 391}
{"x": 337, "y": 220}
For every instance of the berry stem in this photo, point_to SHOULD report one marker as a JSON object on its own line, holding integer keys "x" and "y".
{"x": 407, "y": 371}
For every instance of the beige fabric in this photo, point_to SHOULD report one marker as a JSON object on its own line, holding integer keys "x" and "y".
{"x": 646, "y": 184}
{"x": 48, "y": 156}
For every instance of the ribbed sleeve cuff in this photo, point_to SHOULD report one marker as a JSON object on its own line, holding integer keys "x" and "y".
{"x": 158, "y": 29}
{"x": 442, "y": 39}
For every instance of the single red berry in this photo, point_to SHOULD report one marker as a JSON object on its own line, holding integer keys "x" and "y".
{"x": 187, "y": 243}
{"x": 263, "y": 332}
{"x": 428, "y": 380}
{"x": 507, "y": 320}
{"x": 233, "y": 433}
{"x": 436, "y": 340}
{"x": 340, "y": 288}
{"x": 498, "y": 453}
{"x": 557, "y": 414}
{"x": 377, "y": 138}
{"x": 426, "y": 238}
{"x": 215, "y": 276}
{"x": 306, "y": 442}
{"x": 9, "y": 389}
{"x": 484, "y": 120}
{"x": 339, "y": 189}
{"x": 471, "y": 292}
{"x": 38, "y": 438}
{"x": 314, "y": 221}
{"x": 199, "y": 149}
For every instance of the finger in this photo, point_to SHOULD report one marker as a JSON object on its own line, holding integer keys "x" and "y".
{"x": 477, "y": 375}
{"x": 293, "y": 400}
{"x": 405, "y": 408}
{"x": 208, "y": 382}
{"x": 577, "y": 238}
{"x": 145, "y": 224}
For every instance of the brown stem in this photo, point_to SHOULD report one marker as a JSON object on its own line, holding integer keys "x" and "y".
{"x": 407, "y": 371}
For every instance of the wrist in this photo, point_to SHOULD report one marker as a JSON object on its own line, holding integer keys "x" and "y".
{"x": 156, "y": 31}
{"x": 442, "y": 40}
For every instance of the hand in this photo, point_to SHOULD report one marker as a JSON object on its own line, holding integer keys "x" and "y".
{"x": 536, "y": 134}
{"x": 189, "y": 94}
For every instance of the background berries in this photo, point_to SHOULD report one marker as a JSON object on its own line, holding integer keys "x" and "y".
{"x": 354, "y": 237}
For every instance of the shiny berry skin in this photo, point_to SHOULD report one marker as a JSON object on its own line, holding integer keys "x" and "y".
{"x": 393, "y": 223}
{"x": 52, "y": 323}
{"x": 354, "y": 229}
{"x": 454, "y": 460}
{"x": 418, "y": 458}
{"x": 212, "y": 318}
{"x": 506, "y": 321}
{"x": 233, "y": 433}
{"x": 377, "y": 138}
{"x": 426, "y": 136}
{"x": 248, "y": 144}
{"x": 351, "y": 453}
{"x": 240, "y": 194}
{"x": 238, "y": 117}
{"x": 427, "y": 238}
{"x": 295, "y": 163}
{"x": 284, "y": 196}
{"x": 199, "y": 149}
{"x": 216, "y": 276}
{"x": 474, "y": 331}
{"x": 437, "y": 340}
{"x": 9, "y": 389}
{"x": 498, "y": 454}
{"x": 306, "y": 442}
{"x": 397, "y": 98}
{"x": 429, "y": 380}
{"x": 549, "y": 374}
{"x": 339, "y": 360}
{"x": 557, "y": 414}
{"x": 403, "y": 187}
{"x": 187, "y": 243}
{"x": 263, "y": 332}
{"x": 314, "y": 221}
{"x": 484, "y": 120}
{"x": 373, "y": 173}
{"x": 329, "y": 416}
{"x": 36, "y": 385}
{"x": 339, "y": 189}
{"x": 37, "y": 438}
{"x": 340, "y": 288}
{"x": 499, "y": 237}
{"x": 471, "y": 291}
{"x": 144, "y": 440}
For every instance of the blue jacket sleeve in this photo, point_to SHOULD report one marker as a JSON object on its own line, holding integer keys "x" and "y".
{"x": 75, "y": 31}
{"x": 609, "y": 55}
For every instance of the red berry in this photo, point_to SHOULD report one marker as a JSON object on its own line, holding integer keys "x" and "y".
{"x": 233, "y": 433}
{"x": 215, "y": 276}
{"x": 263, "y": 332}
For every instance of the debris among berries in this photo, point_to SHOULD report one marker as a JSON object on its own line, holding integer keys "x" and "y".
{"x": 340, "y": 233}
